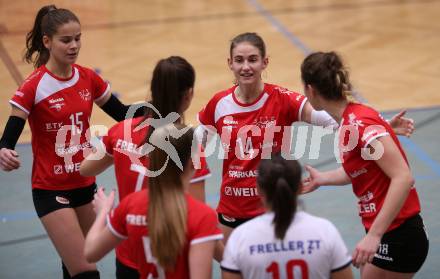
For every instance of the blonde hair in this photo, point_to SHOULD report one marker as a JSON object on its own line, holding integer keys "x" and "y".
{"x": 167, "y": 208}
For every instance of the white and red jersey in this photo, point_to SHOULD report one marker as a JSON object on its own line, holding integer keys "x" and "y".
{"x": 311, "y": 248}
{"x": 130, "y": 221}
{"x": 249, "y": 132}
{"x": 124, "y": 142}
{"x": 62, "y": 107}
{"x": 362, "y": 124}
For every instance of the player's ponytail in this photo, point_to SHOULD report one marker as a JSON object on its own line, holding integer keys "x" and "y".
{"x": 326, "y": 72}
{"x": 278, "y": 181}
{"x": 47, "y": 22}
{"x": 172, "y": 79}
{"x": 167, "y": 208}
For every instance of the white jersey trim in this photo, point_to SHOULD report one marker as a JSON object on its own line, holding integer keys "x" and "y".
{"x": 49, "y": 85}
{"x": 113, "y": 230}
{"x": 19, "y": 106}
{"x": 375, "y": 137}
{"x": 206, "y": 238}
{"x": 228, "y": 106}
{"x": 229, "y": 269}
{"x": 200, "y": 178}
{"x": 107, "y": 90}
{"x": 341, "y": 267}
{"x": 301, "y": 109}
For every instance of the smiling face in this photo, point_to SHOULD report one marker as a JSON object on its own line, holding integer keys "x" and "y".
{"x": 247, "y": 63}
{"x": 65, "y": 44}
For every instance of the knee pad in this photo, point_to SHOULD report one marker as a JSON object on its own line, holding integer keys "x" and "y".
{"x": 93, "y": 274}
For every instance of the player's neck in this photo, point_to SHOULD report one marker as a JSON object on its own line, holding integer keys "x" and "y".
{"x": 336, "y": 109}
{"x": 59, "y": 70}
{"x": 248, "y": 93}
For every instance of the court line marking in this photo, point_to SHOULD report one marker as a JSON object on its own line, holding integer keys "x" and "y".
{"x": 294, "y": 39}
{"x": 421, "y": 154}
{"x": 23, "y": 240}
{"x": 10, "y": 65}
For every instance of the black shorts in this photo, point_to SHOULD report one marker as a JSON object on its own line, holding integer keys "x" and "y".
{"x": 231, "y": 221}
{"x": 47, "y": 201}
{"x": 125, "y": 272}
{"x": 403, "y": 249}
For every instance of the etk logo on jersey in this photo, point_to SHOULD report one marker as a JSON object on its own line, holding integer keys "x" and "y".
{"x": 85, "y": 94}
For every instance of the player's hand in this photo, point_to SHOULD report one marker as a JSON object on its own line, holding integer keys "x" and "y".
{"x": 9, "y": 159}
{"x": 401, "y": 125}
{"x": 312, "y": 182}
{"x": 365, "y": 250}
{"x": 102, "y": 202}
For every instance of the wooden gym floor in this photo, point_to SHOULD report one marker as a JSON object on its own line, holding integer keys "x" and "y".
{"x": 390, "y": 46}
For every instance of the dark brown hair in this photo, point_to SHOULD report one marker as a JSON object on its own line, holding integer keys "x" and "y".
{"x": 252, "y": 38}
{"x": 167, "y": 208}
{"x": 172, "y": 78}
{"x": 326, "y": 72}
{"x": 279, "y": 180}
{"x": 47, "y": 22}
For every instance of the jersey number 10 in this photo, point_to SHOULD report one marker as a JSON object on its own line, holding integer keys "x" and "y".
{"x": 290, "y": 265}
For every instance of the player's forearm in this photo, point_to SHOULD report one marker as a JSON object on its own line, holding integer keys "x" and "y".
{"x": 118, "y": 111}
{"x": 200, "y": 259}
{"x": 12, "y": 132}
{"x": 336, "y": 177}
{"x": 394, "y": 200}
{"x": 92, "y": 167}
{"x": 91, "y": 247}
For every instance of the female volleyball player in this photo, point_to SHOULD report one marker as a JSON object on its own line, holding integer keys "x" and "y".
{"x": 284, "y": 243}
{"x": 373, "y": 160}
{"x": 125, "y": 144}
{"x": 251, "y": 118}
{"x": 172, "y": 234}
{"x": 57, "y": 98}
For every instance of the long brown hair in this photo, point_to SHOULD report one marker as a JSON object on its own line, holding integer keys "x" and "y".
{"x": 167, "y": 208}
{"x": 47, "y": 22}
{"x": 326, "y": 72}
{"x": 172, "y": 79}
{"x": 279, "y": 180}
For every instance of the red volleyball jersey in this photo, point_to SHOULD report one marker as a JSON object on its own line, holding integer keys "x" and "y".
{"x": 362, "y": 124}
{"x": 248, "y": 133}
{"x": 130, "y": 221}
{"x": 124, "y": 143}
{"x": 59, "y": 112}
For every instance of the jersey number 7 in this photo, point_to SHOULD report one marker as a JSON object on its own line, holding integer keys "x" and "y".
{"x": 156, "y": 271}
